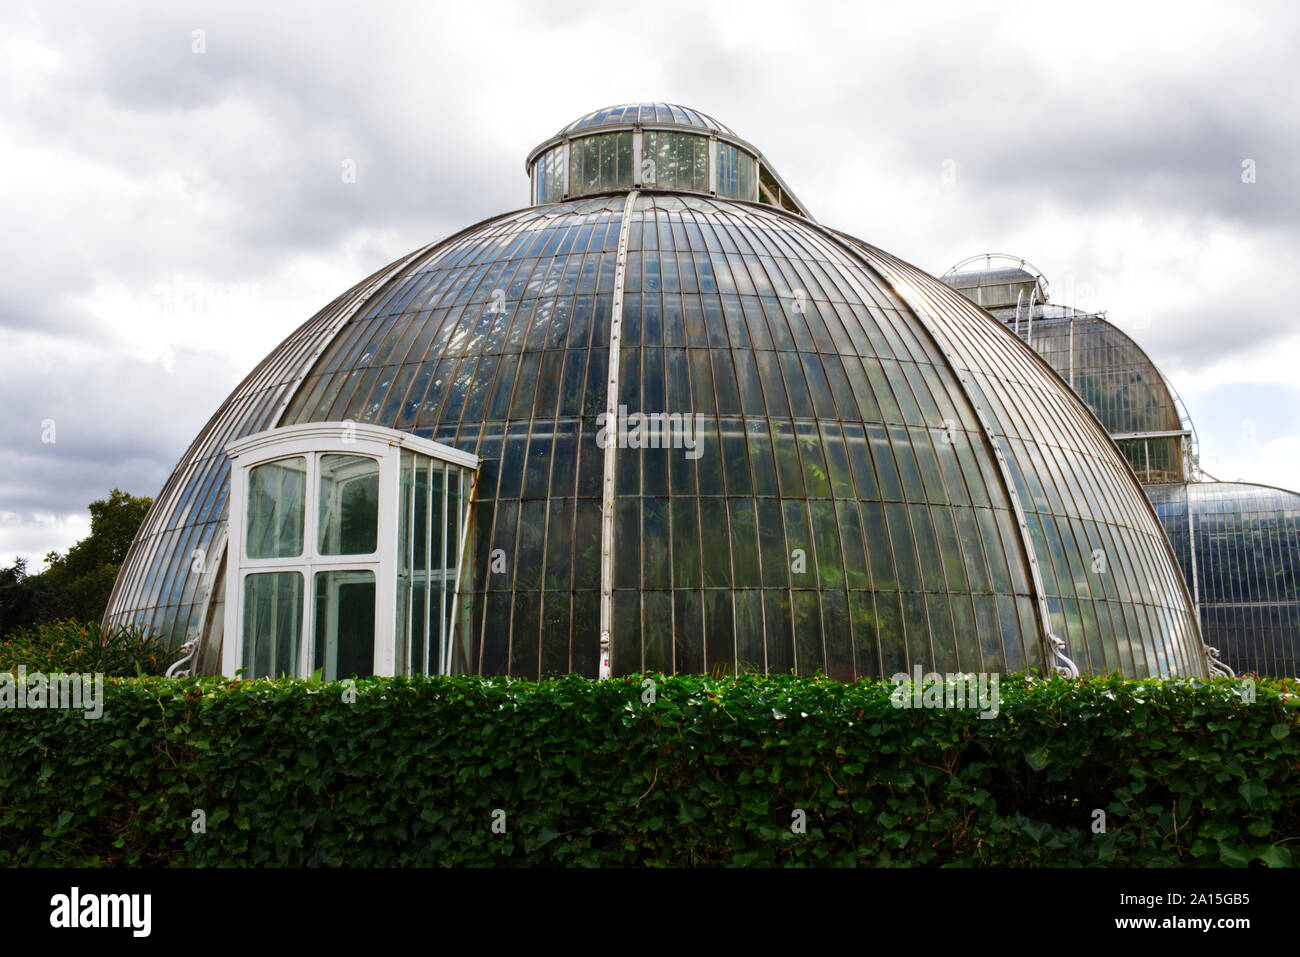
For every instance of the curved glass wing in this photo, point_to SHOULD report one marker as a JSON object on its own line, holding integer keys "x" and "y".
{"x": 1238, "y": 546}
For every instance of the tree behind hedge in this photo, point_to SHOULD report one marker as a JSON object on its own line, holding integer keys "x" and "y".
{"x": 77, "y": 583}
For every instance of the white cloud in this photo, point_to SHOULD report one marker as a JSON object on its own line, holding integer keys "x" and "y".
{"x": 1275, "y": 462}
{"x": 34, "y": 535}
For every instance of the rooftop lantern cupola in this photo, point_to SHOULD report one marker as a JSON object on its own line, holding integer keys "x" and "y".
{"x": 654, "y": 146}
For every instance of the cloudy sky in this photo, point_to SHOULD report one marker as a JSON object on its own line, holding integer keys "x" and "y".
{"x": 174, "y": 206}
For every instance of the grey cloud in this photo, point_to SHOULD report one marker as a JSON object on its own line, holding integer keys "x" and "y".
{"x": 117, "y": 422}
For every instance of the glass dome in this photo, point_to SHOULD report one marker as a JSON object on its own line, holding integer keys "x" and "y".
{"x": 706, "y": 435}
{"x": 1102, "y": 364}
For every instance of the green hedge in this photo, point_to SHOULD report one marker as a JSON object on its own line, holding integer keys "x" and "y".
{"x": 711, "y": 773}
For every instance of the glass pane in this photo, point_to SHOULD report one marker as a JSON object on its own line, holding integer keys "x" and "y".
{"x": 435, "y": 527}
{"x": 600, "y": 162}
{"x": 416, "y": 533}
{"x": 428, "y": 515}
{"x": 275, "y": 508}
{"x": 272, "y": 624}
{"x": 550, "y": 176}
{"x": 345, "y": 624}
{"x": 735, "y": 172}
{"x": 349, "y": 505}
{"x": 624, "y": 146}
{"x": 445, "y": 549}
{"x": 674, "y": 160}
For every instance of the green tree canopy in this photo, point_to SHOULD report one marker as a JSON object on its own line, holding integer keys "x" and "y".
{"x": 77, "y": 583}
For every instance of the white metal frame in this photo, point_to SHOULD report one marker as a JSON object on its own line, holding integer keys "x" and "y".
{"x": 447, "y": 575}
{"x": 312, "y": 441}
{"x": 605, "y": 668}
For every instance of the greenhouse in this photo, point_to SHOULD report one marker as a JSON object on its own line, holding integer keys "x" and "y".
{"x": 1238, "y": 544}
{"x": 852, "y": 469}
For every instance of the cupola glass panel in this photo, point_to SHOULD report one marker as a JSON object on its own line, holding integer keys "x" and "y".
{"x": 675, "y": 161}
{"x": 548, "y": 176}
{"x": 736, "y": 178}
{"x": 601, "y": 163}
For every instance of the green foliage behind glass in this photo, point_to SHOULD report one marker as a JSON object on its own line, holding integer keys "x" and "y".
{"x": 289, "y": 773}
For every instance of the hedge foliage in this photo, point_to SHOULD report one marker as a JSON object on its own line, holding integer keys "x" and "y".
{"x": 84, "y": 647}
{"x": 712, "y": 772}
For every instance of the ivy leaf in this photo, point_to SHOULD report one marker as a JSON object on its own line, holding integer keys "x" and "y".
{"x": 1038, "y": 758}
{"x": 1253, "y": 790}
{"x": 1274, "y": 856}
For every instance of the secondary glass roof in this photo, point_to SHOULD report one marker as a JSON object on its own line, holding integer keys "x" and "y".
{"x": 624, "y": 114}
{"x": 1238, "y": 545}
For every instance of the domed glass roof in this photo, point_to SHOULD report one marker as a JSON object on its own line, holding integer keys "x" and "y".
{"x": 658, "y": 114}
{"x": 874, "y": 475}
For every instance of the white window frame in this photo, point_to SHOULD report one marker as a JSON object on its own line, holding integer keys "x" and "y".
{"x": 311, "y": 441}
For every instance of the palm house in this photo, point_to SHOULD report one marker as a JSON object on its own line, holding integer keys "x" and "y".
{"x": 661, "y": 419}
{"x": 1237, "y": 543}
